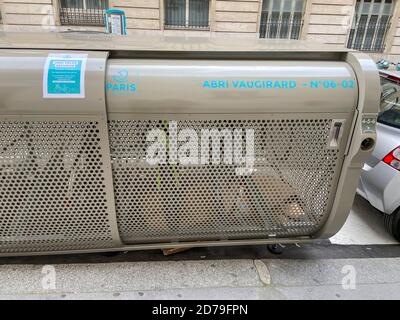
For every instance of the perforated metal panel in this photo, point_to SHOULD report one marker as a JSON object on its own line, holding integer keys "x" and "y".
{"x": 53, "y": 193}
{"x": 288, "y": 194}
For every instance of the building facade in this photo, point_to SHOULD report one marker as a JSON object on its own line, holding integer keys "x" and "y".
{"x": 367, "y": 25}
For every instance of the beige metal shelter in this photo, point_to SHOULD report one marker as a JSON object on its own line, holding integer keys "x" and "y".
{"x": 80, "y": 113}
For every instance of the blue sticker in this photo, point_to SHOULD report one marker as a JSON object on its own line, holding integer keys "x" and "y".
{"x": 64, "y": 76}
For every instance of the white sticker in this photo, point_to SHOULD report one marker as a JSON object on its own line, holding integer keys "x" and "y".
{"x": 116, "y": 24}
{"x": 64, "y": 75}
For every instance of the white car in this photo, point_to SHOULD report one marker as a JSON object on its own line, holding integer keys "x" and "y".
{"x": 380, "y": 177}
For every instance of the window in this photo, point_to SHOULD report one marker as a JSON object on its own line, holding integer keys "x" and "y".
{"x": 281, "y": 19}
{"x": 370, "y": 25}
{"x": 187, "y": 14}
{"x": 390, "y": 104}
{"x": 83, "y": 12}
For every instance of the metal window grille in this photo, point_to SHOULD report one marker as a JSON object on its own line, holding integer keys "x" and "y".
{"x": 187, "y": 14}
{"x": 282, "y": 19}
{"x": 370, "y": 25}
{"x": 83, "y": 12}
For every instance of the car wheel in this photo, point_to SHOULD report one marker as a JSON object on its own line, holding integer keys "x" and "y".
{"x": 392, "y": 223}
{"x": 275, "y": 248}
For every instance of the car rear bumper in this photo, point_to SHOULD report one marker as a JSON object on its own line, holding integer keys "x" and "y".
{"x": 380, "y": 185}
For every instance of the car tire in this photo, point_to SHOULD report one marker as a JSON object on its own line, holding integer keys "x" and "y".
{"x": 392, "y": 223}
{"x": 275, "y": 248}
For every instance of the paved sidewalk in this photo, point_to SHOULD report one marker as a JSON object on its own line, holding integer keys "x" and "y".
{"x": 209, "y": 279}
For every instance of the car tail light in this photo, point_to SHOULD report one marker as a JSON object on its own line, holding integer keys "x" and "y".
{"x": 393, "y": 159}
